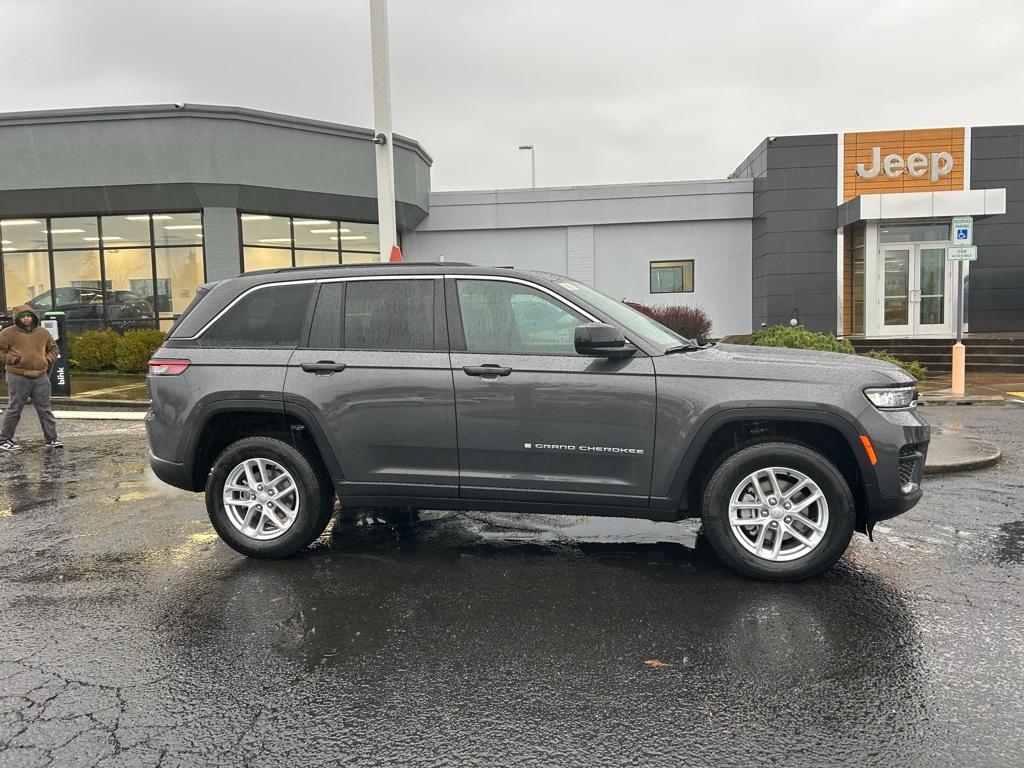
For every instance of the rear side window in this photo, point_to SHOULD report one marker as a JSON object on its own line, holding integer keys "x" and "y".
{"x": 267, "y": 317}
{"x": 389, "y": 314}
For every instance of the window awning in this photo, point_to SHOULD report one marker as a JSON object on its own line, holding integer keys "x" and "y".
{"x": 923, "y": 205}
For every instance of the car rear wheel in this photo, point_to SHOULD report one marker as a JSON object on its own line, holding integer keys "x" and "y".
{"x": 266, "y": 498}
{"x": 778, "y": 511}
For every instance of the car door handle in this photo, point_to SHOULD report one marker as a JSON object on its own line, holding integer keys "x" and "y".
{"x": 323, "y": 367}
{"x": 486, "y": 370}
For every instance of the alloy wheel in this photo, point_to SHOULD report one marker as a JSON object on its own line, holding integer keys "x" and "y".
{"x": 778, "y": 514}
{"x": 261, "y": 498}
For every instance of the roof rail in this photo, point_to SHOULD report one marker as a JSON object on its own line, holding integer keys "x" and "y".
{"x": 397, "y": 265}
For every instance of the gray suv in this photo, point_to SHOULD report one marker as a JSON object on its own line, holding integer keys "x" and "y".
{"x": 449, "y": 386}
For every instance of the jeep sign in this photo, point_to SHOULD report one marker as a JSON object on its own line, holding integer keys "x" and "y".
{"x": 917, "y": 164}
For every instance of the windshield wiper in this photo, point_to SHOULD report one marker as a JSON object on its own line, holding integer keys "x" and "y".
{"x": 690, "y": 346}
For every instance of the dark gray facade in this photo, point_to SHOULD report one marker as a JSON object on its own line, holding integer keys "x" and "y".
{"x": 214, "y": 159}
{"x": 794, "y": 230}
{"x": 997, "y": 277}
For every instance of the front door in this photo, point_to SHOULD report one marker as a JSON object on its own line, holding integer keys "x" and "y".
{"x": 536, "y": 421}
{"x": 914, "y": 290}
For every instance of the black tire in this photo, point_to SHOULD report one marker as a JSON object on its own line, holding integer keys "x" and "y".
{"x": 731, "y": 472}
{"x": 315, "y": 494}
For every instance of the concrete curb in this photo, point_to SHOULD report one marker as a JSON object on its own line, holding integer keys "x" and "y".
{"x": 99, "y": 415}
{"x": 926, "y": 399}
{"x": 951, "y": 452}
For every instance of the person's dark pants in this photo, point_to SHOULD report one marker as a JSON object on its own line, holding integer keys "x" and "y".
{"x": 20, "y": 389}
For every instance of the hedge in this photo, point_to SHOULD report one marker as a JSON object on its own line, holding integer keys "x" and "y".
{"x": 109, "y": 351}
{"x": 798, "y": 337}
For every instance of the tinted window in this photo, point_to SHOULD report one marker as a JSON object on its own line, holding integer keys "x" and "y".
{"x": 267, "y": 317}
{"x": 389, "y": 314}
{"x": 512, "y": 318}
{"x": 325, "y": 332}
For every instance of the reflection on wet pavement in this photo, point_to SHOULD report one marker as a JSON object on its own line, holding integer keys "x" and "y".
{"x": 131, "y": 635}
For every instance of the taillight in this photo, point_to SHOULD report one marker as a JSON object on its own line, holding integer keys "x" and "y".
{"x": 159, "y": 367}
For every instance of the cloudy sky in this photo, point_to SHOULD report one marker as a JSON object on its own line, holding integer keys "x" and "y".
{"x": 608, "y": 91}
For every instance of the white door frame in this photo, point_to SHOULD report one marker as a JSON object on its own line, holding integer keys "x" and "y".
{"x": 874, "y": 304}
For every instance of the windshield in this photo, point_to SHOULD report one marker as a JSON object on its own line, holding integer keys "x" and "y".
{"x": 627, "y": 317}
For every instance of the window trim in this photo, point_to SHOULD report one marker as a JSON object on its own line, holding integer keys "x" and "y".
{"x": 314, "y": 281}
{"x": 681, "y": 263}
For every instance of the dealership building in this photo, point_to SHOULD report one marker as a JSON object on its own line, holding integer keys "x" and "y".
{"x": 116, "y": 215}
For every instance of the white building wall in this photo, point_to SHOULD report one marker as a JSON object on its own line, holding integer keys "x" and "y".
{"x": 606, "y": 237}
{"x": 721, "y": 266}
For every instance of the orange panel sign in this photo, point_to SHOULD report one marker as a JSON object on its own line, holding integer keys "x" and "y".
{"x": 928, "y": 160}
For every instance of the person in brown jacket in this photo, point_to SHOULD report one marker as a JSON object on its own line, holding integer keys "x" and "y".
{"x": 27, "y": 350}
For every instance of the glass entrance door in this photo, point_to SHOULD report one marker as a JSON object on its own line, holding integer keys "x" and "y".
{"x": 915, "y": 290}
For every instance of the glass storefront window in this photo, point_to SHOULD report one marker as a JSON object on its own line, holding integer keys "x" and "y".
{"x": 315, "y": 258}
{"x": 26, "y": 278}
{"x": 77, "y": 232}
{"x": 109, "y": 282}
{"x": 130, "y": 294}
{"x": 23, "y": 235}
{"x": 267, "y": 258}
{"x": 179, "y": 273}
{"x": 301, "y": 238}
{"x": 126, "y": 231}
{"x": 913, "y": 233}
{"x": 316, "y": 233}
{"x": 79, "y": 290}
{"x": 177, "y": 229}
{"x": 266, "y": 231}
{"x": 359, "y": 238}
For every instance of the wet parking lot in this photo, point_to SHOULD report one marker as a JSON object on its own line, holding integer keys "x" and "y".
{"x": 131, "y": 636}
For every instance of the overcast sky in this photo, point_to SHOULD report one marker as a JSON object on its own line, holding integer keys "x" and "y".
{"x": 627, "y": 91}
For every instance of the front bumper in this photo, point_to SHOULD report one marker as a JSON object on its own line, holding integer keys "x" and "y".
{"x": 900, "y": 440}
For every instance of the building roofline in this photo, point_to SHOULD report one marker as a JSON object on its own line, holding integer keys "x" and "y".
{"x": 206, "y": 111}
{"x": 655, "y": 186}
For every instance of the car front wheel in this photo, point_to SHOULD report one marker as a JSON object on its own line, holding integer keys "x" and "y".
{"x": 266, "y": 499}
{"x": 778, "y": 511}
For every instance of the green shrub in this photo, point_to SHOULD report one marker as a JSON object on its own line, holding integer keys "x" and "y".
{"x": 912, "y": 367}
{"x": 93, "y": 350}
{"x": 135, "y": 348}
{"x": 798, "y": 337}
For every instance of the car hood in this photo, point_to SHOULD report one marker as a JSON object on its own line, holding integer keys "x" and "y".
{"x": 782, "y": 364}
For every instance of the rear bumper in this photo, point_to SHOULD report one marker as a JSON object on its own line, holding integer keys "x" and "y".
{"x": 171, "y": 472}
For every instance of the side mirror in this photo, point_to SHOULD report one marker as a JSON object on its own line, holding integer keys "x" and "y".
{"x": 601, "y": 340}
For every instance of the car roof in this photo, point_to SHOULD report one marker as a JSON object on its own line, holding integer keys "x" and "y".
{"x": 285, "y": 274}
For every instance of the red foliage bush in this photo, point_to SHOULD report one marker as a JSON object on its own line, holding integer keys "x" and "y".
{"x": 691, "y": 322}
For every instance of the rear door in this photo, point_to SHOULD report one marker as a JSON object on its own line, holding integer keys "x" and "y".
{"x": 536, "y": 421}
{"x": 374, "y": 371}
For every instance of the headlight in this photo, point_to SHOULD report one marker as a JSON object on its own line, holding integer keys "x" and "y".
{"x": 892, "y": 397}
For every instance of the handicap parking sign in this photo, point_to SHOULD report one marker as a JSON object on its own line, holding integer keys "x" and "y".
{"x": 962, "y": 227}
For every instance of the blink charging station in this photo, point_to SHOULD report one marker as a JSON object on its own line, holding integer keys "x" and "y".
{"x": 60, "y": 371}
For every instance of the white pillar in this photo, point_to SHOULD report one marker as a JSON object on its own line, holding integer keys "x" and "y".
{"x": 382, "y": 127}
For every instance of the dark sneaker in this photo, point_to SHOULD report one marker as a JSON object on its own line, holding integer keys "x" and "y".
{"x": 9, "y": 445}
{"x": 54, "y": 443}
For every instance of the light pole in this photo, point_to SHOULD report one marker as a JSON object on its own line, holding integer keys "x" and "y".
{"x": 382, "y": 131}
{"x": 533, "y": 165}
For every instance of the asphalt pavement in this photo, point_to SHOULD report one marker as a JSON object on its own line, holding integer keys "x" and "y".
{"x": 131, "y": 636}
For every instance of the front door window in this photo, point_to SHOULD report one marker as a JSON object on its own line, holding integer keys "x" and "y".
{"x": 932, "y": 291}
{"x": 897, "y": 286}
